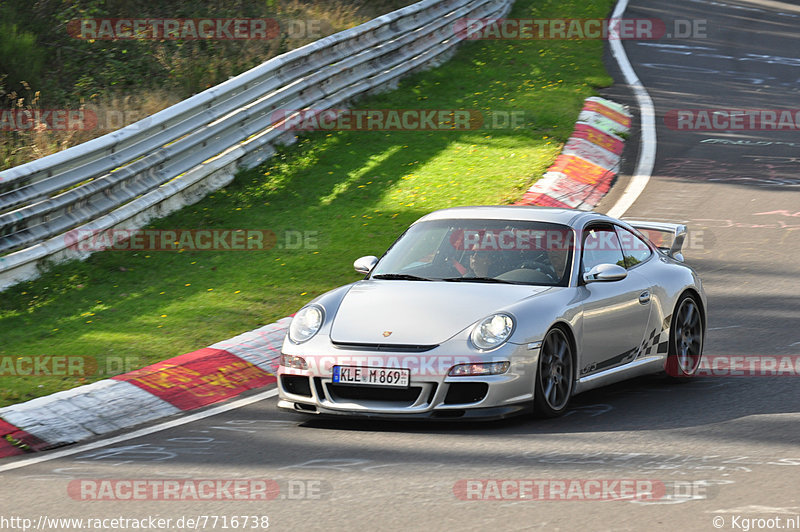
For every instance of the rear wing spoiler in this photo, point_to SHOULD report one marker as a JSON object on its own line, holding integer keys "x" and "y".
{"x": 666, "y": 236}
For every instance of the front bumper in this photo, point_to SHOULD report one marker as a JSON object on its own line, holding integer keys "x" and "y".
{"x": 472, "y": 413}
{"x": 431, "y": 394}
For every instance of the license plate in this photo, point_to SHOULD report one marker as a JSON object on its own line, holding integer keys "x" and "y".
{"x": 395, "y": 377}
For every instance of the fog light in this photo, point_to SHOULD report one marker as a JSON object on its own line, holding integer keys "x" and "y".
{"x": 483, "y": 368}
{"x": 293, "y": 362}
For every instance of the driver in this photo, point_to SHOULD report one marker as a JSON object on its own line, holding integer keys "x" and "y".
{"x": 479, "y": 263}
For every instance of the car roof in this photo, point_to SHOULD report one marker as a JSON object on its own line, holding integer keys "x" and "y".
{"x": 569, "y": 217}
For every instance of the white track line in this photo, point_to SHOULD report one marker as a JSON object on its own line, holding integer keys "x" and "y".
{"x": 142, "y": 432}
{"x": 647, "y": 150}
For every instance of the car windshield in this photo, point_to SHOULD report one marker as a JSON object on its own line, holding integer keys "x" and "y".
{"x": 499, "y": 251}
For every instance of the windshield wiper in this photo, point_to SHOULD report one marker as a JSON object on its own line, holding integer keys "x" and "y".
{"x": 399, "y": 277}
{"x": 476, "y": 280}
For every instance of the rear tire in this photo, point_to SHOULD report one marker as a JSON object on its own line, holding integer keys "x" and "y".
{"x": 555, "y": 374}
{"x": 685, "y": 339}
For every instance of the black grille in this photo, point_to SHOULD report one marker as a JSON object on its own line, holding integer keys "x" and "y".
{"x": 373, "y": 393}
{"x": 396, "y": 348}
{"x": 465, "y": 392}
{"x": 296, "y": 384}
{"x": 320, "y": 389}
{"x": 448, "y": 413}
{"x": 433, "y": 393}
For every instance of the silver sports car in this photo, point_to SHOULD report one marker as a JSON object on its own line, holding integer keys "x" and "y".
{"x": 485, "y": 312}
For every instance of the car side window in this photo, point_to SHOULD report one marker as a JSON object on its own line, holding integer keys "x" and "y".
{"x": 634, "y": 248}
{"x": 601, "y": 246}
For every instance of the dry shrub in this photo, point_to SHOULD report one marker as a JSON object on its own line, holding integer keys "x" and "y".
{"x": 187, "y": 73}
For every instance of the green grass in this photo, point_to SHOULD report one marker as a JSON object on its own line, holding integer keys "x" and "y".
{"x": 357, "y": 190}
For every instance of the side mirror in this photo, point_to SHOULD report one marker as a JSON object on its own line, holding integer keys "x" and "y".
{"x": 365, "y": 264}
{"x": 605, "y": 272}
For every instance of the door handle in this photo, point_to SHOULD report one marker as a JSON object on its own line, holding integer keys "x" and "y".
{"x": 644, "y": 297}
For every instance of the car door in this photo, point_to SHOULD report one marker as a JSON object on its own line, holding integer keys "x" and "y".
{"x": 615, "y": 313}
{"x": 637, "y": 253}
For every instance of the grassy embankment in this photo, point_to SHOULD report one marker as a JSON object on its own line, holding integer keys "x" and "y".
{"x": 43, "y": 66}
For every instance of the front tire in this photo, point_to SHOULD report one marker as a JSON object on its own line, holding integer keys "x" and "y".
{"x": 685, "y": 339}
{"x": 555, "y": 374}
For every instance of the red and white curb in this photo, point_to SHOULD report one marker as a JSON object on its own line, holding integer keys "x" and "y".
{"x": 589, "y": 161}
{"x": 190, "y": 381}
{"x": 579, "y": 178}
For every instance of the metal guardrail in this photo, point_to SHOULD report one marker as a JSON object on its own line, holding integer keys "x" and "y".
{"x": 177, "y": 156}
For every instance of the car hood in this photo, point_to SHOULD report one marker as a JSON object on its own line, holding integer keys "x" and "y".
{"x": 418, "y": 312}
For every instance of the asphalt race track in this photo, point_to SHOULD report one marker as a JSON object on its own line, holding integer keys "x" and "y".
{"x": 722, "y": 450}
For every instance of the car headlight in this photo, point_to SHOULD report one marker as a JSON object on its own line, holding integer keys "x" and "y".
{"x": 306, "y": 323}
{"x": 492, "y": 331}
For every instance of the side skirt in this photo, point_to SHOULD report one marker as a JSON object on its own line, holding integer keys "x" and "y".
{"x": 636, "y": 368}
